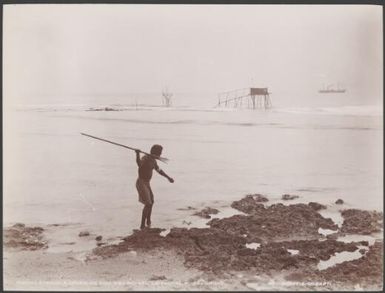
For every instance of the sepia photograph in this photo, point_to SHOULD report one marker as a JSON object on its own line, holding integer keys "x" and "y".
{"x": 192, "y": 147}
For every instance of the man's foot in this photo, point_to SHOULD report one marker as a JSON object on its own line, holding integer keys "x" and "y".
{"x": 142, "y": 227}
{"x": 148, "y": 225}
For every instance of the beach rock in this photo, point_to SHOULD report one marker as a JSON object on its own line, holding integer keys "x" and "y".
{"x": 339, "y": 201}
{"x": 19, "y": 236}
{"x": 103, "y": 109}
{"x": 364, "y": 243}
{"x": 99, "y": 238}
{"x": 362, "y": 251}
{"x": 276, "y": 222}
{"x": 321, "y": 250}
{"x": 257, "y": 197}
{"x": 246, "y": 252}
{"x": 289, "y": 197}
{"x": 247, "y": 205}
{"x": 84, "y": 233}
{"x": 367, "y": 270}
{"x": 157, "y": 278}
{"x": 278, "y": 228}
{"x": 206, "y": 212}
{"x": 361, "y": 221}
{"x": 316, "y": 206}
{"x": 215, "y": 250}
{"x": 145, "y": 239}
{"x": 188, "y": 208}
{"x": 333, "y": 236}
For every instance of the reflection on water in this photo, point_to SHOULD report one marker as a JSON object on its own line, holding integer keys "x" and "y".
{"x": 340, "y": 257}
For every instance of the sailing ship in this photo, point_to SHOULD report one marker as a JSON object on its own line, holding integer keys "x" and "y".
{"x": 330, "y": 89}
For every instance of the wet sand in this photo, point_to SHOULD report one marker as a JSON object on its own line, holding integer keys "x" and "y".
{"x": 264, "y": 247}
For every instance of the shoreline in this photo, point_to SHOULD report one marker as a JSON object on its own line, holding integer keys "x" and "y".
{"x": 263, "y": 247}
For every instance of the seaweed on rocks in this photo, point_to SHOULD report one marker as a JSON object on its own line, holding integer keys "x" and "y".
{"x": 146, "y": 239}
{"x": 289, "y": 197}
{"x": 366, "y": 271}
{"x": 275, "y": 222}
{"x": 217, "y": 251}
{"x": 257, "y": 197}
{"x": 361, "y": 221}
{"x": 84, "y": 233}
{"x": 22, "y": 237}
{"x": 310, "y": 250}
{"x": 224, "y": 246}
{"x": 339, "y": 201}
{"x": 206, "y": 212}
{"x": 316, "y": 206}
{"x": 248, "y": 204}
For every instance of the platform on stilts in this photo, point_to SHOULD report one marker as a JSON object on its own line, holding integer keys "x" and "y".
{"x": 254, "y": 98}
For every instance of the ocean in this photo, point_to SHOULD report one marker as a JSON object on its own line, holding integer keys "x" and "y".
{"x": 54, "y": 175}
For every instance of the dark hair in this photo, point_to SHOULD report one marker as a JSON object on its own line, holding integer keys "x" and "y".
{"x": 156, "y": 150}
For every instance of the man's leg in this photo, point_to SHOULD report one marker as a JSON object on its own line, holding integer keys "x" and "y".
{"x": 144, "y": 216}
{"x": 150, "y": 207}
{"x": 149, "y": 211}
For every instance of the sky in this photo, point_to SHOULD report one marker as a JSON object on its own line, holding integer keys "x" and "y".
{"x": 52, "y": 52}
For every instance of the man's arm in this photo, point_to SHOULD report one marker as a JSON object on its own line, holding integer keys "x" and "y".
{"x": 161, "y": 172}
{"x": 137, "y": 157}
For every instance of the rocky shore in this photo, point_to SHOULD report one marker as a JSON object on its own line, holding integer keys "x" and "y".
{"x": 280, "y": 242}
{"x": 24, "y": 238}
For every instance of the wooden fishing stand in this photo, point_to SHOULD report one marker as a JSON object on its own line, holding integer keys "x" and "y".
{"x": 259, "y": 98}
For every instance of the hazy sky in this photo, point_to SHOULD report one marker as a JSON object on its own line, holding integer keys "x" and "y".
{"x": 62, "y": 50}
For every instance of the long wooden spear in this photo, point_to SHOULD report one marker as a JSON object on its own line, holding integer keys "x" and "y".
{"x": 164, "y": 160}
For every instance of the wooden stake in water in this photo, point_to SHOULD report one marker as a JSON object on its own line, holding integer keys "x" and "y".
{"x": 164, "y": 160}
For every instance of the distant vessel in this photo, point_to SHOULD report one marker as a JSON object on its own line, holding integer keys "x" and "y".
{"x": 330, "y": 89}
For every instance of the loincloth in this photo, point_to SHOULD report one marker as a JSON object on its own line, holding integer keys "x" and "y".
{"x": 144, "y": 191}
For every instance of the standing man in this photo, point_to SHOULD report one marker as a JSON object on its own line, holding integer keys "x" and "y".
{"x": 146, "y": 164}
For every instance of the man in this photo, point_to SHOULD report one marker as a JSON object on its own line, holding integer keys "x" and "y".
{"x": 146, "y": 164}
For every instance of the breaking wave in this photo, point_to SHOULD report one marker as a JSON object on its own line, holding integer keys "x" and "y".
{"x": 356, "y": 110}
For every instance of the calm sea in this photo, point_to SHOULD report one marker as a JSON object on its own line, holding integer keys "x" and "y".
{"x": 53, "y": 175}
